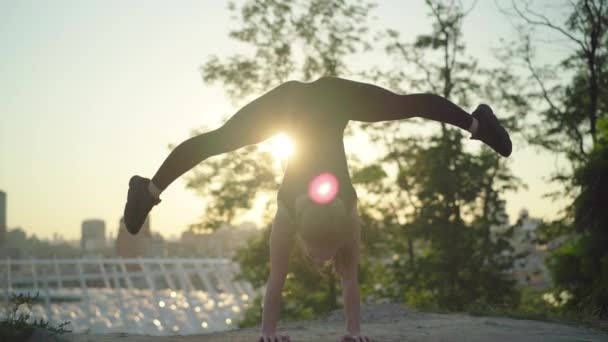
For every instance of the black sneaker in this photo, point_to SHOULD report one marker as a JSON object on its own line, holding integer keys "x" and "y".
{"x": 491, "y": 132}
{"x": 139, "y": 203}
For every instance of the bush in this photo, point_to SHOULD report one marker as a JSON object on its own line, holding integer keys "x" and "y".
{"x": 19, "y": 324}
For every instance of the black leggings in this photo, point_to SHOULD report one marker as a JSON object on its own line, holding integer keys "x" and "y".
{"x": 268, "y": 114}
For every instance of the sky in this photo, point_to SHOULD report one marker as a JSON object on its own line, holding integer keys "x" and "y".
{"x": 93, "y": 92}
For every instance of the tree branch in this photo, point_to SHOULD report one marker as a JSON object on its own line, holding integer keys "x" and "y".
{"x": 418, "y": 64}
{"x": 544, "y": 21}
{"x": 538, "y": 80}
{"x": 473, "y": 5}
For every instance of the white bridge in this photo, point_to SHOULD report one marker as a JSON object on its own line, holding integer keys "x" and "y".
{"x": 139, "y": 295}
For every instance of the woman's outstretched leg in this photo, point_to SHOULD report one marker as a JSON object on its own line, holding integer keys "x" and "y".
{"x": 370, "y": 103}
{"x": 253, "y": 123}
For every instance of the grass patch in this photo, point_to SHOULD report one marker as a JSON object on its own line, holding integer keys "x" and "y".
{"x": 18, "y": 323}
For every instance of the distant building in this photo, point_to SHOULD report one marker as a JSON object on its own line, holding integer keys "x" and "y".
{"x": 144, "y": 244}
{"x": 154, "y": 246}
{"x": 502, "y": 219}
{"x": 531, "y": 270}
{"x": 93, "y": 237}
{"x": 2, "y": 218}
{"x": 221, "y": 243}
{"x": 10, "y": 249}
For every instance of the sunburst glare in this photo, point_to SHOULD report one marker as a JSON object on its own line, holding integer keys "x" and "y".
{"x": 281, "y": 146}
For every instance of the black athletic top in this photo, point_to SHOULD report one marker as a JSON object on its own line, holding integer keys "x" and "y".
{"x": 317, "y": 129}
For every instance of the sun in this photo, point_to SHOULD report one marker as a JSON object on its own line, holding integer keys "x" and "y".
{"x": 281, "y": 146}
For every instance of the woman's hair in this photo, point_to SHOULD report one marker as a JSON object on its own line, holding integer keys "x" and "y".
{"x": 329, "y": 223}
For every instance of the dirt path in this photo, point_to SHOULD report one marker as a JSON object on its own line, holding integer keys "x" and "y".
{"x": 390, "y": 322}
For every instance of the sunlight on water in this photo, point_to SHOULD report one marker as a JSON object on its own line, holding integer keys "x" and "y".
{"x": 133, "y": 311}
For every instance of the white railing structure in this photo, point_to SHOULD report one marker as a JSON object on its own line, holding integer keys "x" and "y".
{"x": 138, "y": 295}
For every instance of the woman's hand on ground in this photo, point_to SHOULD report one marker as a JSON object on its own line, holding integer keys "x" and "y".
{"x": 356, "y": 338}
{"x": 274, "y": 338}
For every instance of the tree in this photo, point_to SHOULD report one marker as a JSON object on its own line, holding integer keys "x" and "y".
{"x": 580, "y": 266}
{"x": 571, "y": 115}
{"x": 444, "y": 206}
{"x": 586, "y": 29}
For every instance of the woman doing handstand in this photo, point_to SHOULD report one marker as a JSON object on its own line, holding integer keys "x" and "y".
{"x": 316, "y": 200}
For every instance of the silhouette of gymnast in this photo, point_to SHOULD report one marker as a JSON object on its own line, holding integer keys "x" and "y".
{"x": 316, "y": 200}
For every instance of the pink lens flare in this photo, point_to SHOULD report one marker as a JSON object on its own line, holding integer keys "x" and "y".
{"x": 323, "y": 188}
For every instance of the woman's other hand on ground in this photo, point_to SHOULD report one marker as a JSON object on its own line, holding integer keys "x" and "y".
{"x": 274, "y": 338}
{"x": 356, "y": 338}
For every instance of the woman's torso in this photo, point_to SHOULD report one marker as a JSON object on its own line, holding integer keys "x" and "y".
{"x": 317, "y": 130}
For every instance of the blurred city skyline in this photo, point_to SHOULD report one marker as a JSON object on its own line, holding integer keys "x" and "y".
{"x": 93, "y": 92}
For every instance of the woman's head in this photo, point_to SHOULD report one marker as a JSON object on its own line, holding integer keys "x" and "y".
{"x": 323, "y": 229}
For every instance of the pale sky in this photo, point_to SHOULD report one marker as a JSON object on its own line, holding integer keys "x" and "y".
{"x": 92, "y": 92}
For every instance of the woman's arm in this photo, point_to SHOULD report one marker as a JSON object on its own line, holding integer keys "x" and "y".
{"x": 281, "y": 242}
{"x": 352, "y": 300}
{"x": 350, "y": 282}
{"x": 350, "y": 289}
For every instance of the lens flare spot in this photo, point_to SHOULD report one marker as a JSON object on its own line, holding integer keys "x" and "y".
{"x": 323, "y": 188}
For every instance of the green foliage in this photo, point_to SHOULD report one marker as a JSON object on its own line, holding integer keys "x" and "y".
{"x": 231, "y": 183}
{"x": 602, "y": 127}
{"x": 301, "y": 39}
{"x": 443, "y": 208}
{"x": 568, "y": 111}
{"x": 368, "y": 174}
{"x": 573, "y": 124}
{"x": 581, "y": 264}
{"x": 308, "y": 291}
{"x": 253, "y": 315}
{"x": 255, "y": 259}
{"x": 532, "y": 306}
{"x": 18, "y": 324}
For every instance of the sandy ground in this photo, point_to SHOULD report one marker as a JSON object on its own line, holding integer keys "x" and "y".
{"x": 391, "y": 322}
